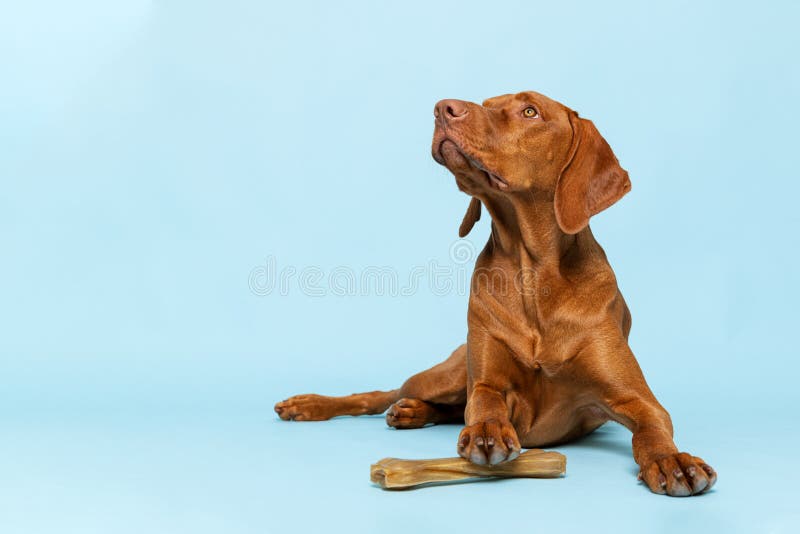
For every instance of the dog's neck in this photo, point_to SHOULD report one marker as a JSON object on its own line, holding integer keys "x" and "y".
{"x": 525, "y": 229}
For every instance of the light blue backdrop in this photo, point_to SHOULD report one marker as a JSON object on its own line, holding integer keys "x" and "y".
{"x": 158, "y": 159}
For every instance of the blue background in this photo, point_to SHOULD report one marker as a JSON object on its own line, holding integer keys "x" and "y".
{"x": 155, "y": 155}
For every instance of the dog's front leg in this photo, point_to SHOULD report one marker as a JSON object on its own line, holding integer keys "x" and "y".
{"x": 613, "y": 368}
{"x": 488, "y": 437}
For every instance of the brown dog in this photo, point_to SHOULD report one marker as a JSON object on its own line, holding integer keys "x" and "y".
{"x": 547, "y": 357}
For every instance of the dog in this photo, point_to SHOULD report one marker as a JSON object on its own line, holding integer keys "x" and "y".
{"x": 547, "y": 358}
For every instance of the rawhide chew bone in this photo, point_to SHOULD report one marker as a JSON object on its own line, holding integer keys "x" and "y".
{"x": 393, "y": 473}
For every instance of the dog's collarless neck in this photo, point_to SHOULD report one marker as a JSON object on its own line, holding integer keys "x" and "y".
{"x": 526, "y": 230}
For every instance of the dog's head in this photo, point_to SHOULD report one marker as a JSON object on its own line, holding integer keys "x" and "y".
{"x": 528, "y": 143}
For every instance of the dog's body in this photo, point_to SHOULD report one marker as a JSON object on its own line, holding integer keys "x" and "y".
{"x": 546, "y": 358}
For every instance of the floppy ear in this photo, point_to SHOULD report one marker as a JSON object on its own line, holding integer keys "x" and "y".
{"x": 472, "y": 216}
{"x": 592, "y": 179}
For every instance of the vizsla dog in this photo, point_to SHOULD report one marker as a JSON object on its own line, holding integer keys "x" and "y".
{"x": 547, "y": 357}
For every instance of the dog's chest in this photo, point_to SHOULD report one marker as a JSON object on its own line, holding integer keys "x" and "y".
{"x": 538, "y": 316}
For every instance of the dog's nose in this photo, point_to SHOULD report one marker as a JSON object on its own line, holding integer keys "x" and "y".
{"x": 450, "y": 110}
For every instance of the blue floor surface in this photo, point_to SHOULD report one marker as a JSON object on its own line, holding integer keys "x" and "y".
{"x": 241, "y": 473}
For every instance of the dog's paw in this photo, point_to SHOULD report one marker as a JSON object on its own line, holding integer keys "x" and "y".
{"x": 410, "y": 413}
{"x": 678, "y": 475}
{"x": 491, "y": 442}
{"x": 304, "y": 408}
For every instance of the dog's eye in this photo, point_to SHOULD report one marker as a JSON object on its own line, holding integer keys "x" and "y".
{"x": 530, "y": 112}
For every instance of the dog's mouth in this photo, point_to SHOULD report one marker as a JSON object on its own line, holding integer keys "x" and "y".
{"x": 450, "y": 154}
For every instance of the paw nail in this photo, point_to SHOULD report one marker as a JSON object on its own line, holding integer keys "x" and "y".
{"x": 677, "y": 473}
{"x": 479, "y": 442}
{"x": 639, "y": 476}
{"x": 662, "y": 481}
{"x": 691, "y": 471}
{"x": 490, "y": 442}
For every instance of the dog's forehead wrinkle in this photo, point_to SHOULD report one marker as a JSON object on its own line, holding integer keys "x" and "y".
{"x": 498, "y": 101}
{"x": 509, "y": 104}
